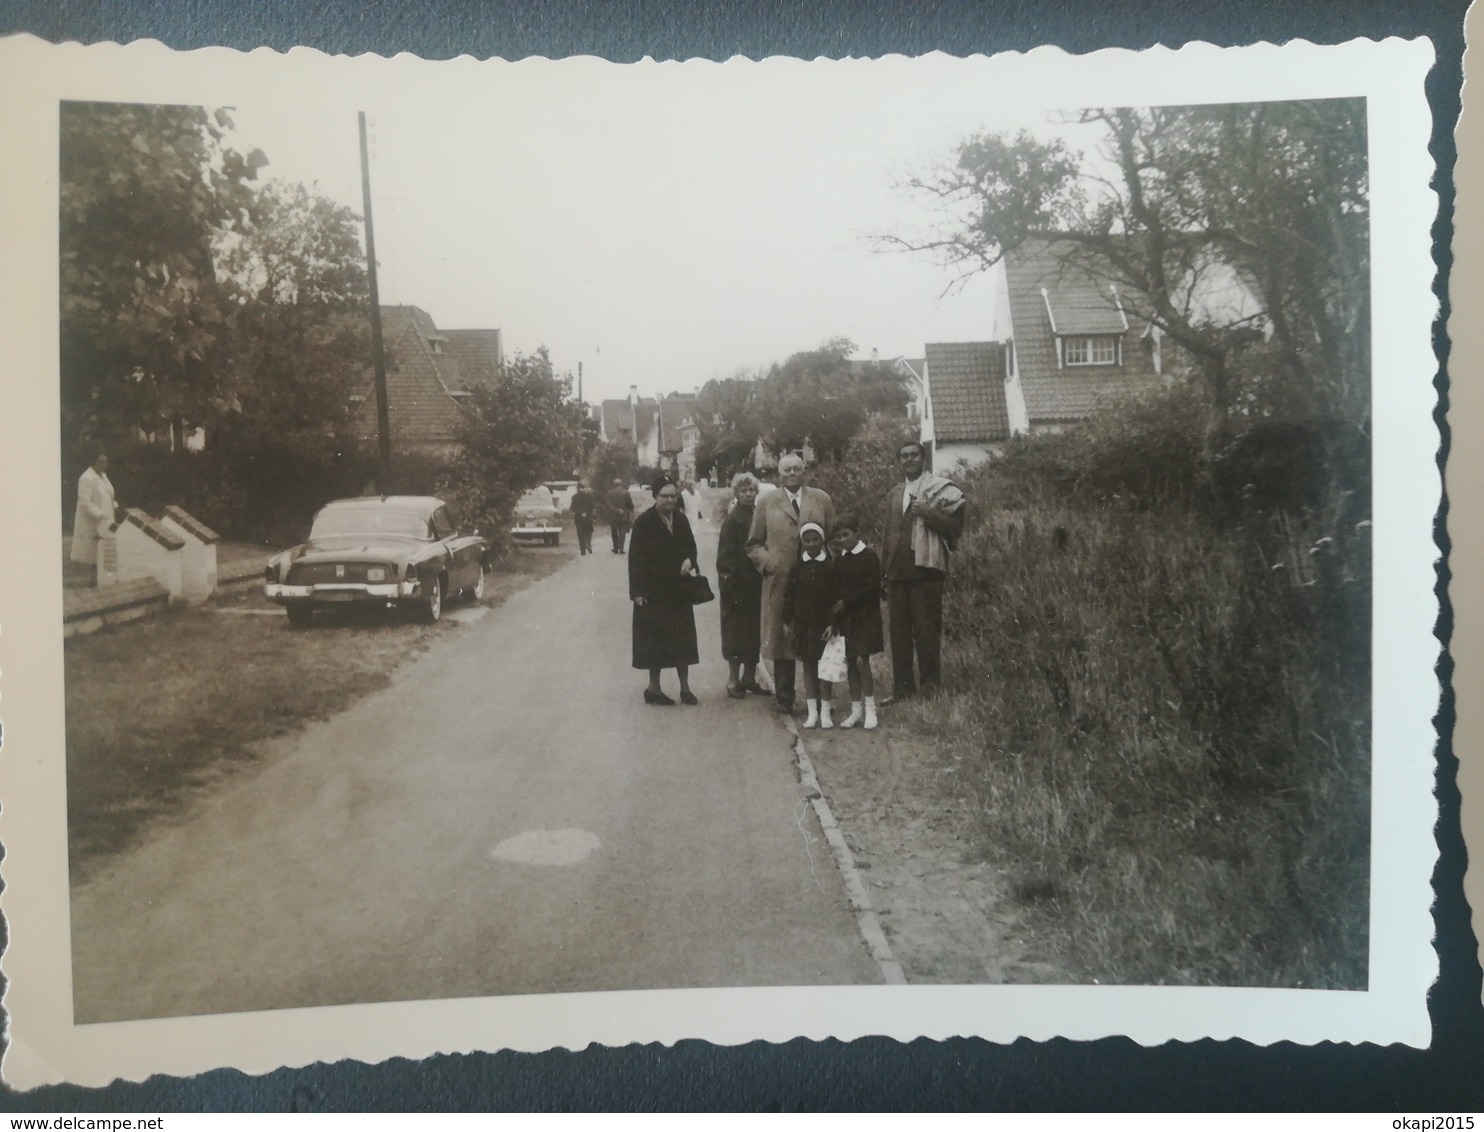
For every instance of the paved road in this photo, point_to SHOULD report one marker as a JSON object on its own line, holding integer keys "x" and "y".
{"x": 507, "y": 817}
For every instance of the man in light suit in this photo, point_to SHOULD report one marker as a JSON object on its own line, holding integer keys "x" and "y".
{"x": 95, "y": 512}
{"x": 773, "y": 546}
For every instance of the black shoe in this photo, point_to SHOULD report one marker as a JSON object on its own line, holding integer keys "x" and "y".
{"x": 754, "y": 687}
{"x": 659, "y": 699}
{"x": 736, "y": 692}
{"x": 688, "y": 698}
{"x": 784, "y": 707}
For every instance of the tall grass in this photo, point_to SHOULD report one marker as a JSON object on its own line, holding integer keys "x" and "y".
{"x": 1163, "y": 714}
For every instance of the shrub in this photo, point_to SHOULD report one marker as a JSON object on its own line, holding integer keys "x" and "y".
{"x": 1166, "y": 710}
{"x": 858, "y": 484}
{"x": 265, "y": 495}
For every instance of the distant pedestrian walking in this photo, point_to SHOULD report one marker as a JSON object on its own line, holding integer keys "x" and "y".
{"x": 741, "y": 592}
{"x": 857, "y": 616}
{"x": 584, "y": 506}
{"x": 924, "y": 519}
{"x": 620, "y": 514}
{"x": 662, "y": 555}
{"x": 95, "y": 512}
{"x": 692, "y": 503}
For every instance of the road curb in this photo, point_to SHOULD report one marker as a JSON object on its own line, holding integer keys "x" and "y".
{"x": 855, "y": 888}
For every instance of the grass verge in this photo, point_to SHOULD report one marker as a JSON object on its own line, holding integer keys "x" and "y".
{"x": 160, "y": 707}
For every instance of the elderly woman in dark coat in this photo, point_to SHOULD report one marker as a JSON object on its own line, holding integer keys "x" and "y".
{"x": 741, "y": 592}
{"x": 662, "y": 552}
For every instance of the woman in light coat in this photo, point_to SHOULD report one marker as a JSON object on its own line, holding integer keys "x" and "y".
{"x": 95, "y": 512}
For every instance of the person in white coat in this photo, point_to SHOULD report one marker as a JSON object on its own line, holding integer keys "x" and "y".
{"x": 95, "y": 512}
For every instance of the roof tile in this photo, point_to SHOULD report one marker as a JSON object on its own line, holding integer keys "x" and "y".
{"x": 966, "y": 382}
{"x": 1082, "y": 303}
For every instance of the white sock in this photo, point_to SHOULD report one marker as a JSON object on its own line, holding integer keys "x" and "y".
{"x": 855, "y": 715}
{"x": 870, "y": 724}
{"x": 825, "y": 722}
{"x": 812, "y": 720}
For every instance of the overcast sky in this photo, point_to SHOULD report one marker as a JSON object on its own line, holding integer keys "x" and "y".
{"x": 663, "y": 224}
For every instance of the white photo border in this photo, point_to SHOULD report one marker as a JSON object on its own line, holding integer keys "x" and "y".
{"x": 44, "y": 1045}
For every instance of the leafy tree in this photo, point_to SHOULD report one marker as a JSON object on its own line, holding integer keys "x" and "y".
{"x": 1277, "y": 191}
{"x": 609, "y": 461}
{"x": 816, "y": 396}
{"x": 296, "y": 345}
{"x": 996, "y": 190}
{"x": 518, "y": 433}
{"x": 858, "y": 484}
{"x": 299, "y": 342}
{"x": 730, "y": 421}
{"x": 144, "y": 193}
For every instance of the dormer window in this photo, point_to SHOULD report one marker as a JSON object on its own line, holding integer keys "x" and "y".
{"x": 1091, "y": 350}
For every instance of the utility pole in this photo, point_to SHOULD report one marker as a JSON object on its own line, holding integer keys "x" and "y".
{"x": 378, "y": 352}
{"x": 585, "y": 353}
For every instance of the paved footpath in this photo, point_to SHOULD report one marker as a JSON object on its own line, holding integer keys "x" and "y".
{"x": 507, "y": 817}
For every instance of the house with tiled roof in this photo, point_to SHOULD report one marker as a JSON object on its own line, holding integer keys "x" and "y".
{"x": 965, "y": 415}
{"x": 481, "y": 353}
{"x": 1071, "y": 340}
{"x": 1076, "y": 340}
{"x": 630, "y": 420}
{"x": 665, "y": 432}
{"x": 428, "y": 373}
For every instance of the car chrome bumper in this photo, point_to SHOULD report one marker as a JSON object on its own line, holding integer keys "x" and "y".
{"x": 353, "y": 591}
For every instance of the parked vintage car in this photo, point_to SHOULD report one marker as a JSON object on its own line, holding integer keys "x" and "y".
{"x": 537, "y": 517}
{"x": 403, "y": 550}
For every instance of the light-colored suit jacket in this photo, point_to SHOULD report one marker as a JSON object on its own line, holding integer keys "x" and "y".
{"x": 773, "y": 546}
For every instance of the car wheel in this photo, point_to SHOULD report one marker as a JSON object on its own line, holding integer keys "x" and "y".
{"x": 300, "y": 616}
{"x": 433, "y": 607}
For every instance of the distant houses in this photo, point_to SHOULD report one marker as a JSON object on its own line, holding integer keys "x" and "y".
{"x": 665, "y": 431}
{"x": 909, "y": 370}
{"x": 428, "y": 373}
{"x": 1065, "y": 342}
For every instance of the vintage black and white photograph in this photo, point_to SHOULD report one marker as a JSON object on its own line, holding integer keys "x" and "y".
{"x": 882, "y": 523}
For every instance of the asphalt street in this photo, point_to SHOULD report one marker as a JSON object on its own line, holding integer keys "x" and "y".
{"x": 507, "y": 817}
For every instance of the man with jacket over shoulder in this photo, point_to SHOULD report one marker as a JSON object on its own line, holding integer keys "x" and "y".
{"x": 924, "y": 519}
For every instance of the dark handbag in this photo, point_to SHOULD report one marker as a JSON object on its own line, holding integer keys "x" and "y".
{"x": 697, "y": 589}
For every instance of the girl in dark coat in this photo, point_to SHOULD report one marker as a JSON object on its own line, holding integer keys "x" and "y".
{"x": 857, "y": 616}
{"x": 741, "y": 592}
{"x": 813, "y": 588}
{"x": 662, "y": 551}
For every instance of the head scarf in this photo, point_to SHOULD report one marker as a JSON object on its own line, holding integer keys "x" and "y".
{"x": 811, "y": 526}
